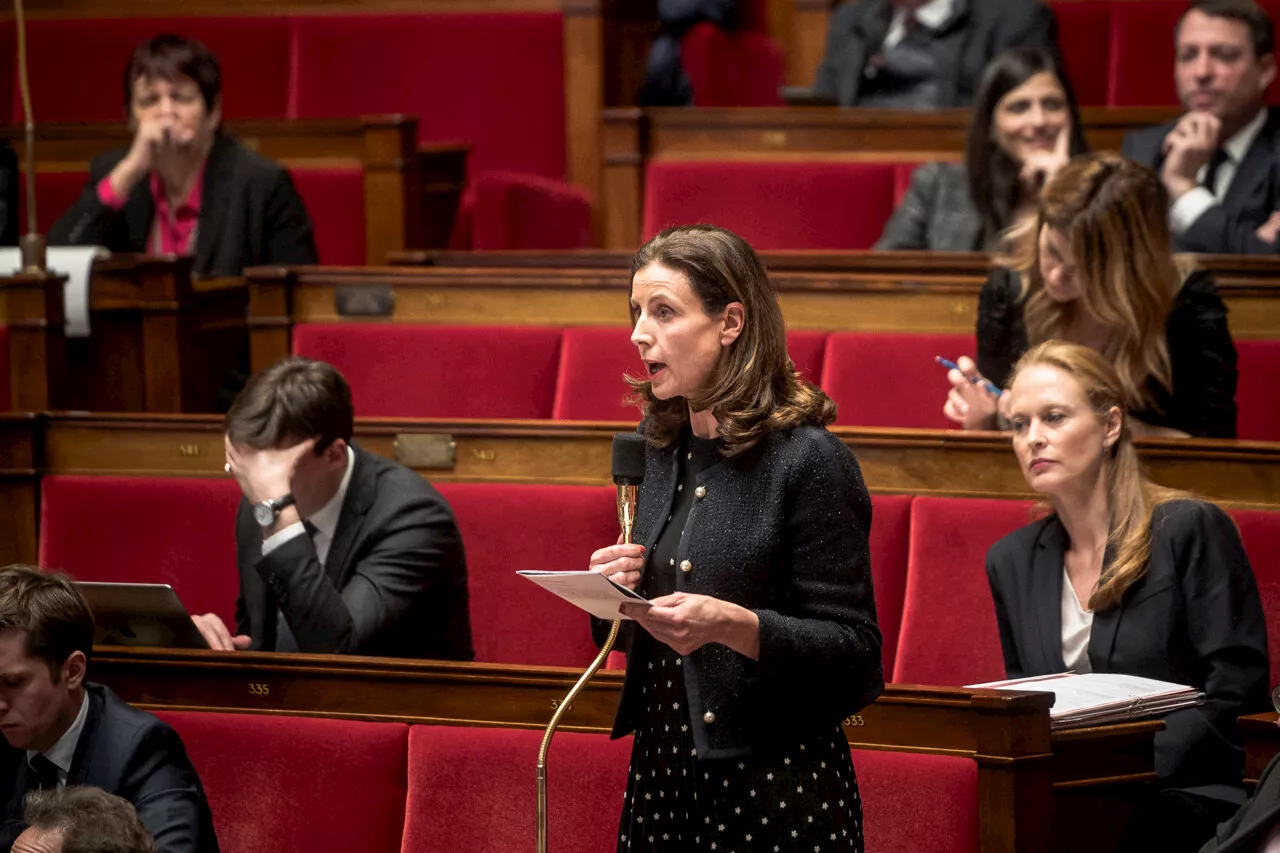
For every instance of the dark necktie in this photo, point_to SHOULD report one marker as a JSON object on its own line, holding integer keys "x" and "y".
{"x": 43, "y": 775}
{"x": 1216, "y": 160}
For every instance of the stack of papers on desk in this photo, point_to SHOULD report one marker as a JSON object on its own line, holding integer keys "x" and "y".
{"x": 591, "y": 591}
{"x": 1098, "y": 698}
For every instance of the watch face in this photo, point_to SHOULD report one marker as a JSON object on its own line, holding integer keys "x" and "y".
{"x": 264, "y": 514}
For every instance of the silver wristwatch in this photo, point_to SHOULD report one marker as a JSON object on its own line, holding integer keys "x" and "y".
{"x": 267, "y": 512}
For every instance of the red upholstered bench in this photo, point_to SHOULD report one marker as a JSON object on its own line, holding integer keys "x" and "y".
{"x": 914, "y": 802}
{"x": 1257, "y": 405}
{"x": 772, "y": 204}
{"x": 334, "y": 199}
{"x": 949, "y": 634}
{"x": 472, "y": 790}
{"x": 511, "y": 210}
{"x": 298, "y": 784}
{"x": 1260, "y": 531}
{"x": 743, "y": 68}
{"x": 174, "y": 530}
{"x": 55, "y": 193}
{"x": 890, "y": 544}
{"x": 890, "y": 379}
{"x": 253, "y": 52}
{"x": 506, "y": 528}
{"x": 425, "y": 371}
{"x": 593, "y": 360}
{"x": 1086, "y": 53}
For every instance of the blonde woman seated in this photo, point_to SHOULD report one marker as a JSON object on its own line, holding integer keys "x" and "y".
{"x": 1095, "y": 267}
{"x": 1128, "y": 577}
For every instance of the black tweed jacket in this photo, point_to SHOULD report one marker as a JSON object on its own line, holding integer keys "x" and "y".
{"x": 782, "y": 530}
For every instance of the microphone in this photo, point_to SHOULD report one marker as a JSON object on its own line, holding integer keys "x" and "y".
{"x": 31, "y": 244}
{"x": 628, "y": 474}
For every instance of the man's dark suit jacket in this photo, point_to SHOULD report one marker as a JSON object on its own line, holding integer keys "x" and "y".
{"x": 1254, "y": 194}
{"x": 1194, "y": 618}
{"x": 394, "y": 582}
{"x": 977, "y": 31}
{"x": 1246, "y": 831}
{"x": 250, "y": 214}
{"x": 133, "y": 755}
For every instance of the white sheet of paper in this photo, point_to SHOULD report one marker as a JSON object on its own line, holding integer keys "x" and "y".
{"x": 77, "y": 263}
{"x": 591, "y": 591}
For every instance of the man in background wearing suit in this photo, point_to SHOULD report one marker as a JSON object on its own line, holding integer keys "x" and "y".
{"x": 339, "y": 551}
{"x": 182, "y": 187}
{"x": 923, "y": 54}
{"x": 1219, "y": 160}
{"x": 61, "y": 730}
{"x": 1256, "y": 827}
{"x": 82, "y": 819}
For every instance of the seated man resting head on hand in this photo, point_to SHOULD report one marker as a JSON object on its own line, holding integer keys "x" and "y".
{"x": 339, "y": 551}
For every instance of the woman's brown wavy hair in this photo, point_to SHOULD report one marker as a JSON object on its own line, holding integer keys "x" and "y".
{"x": 754, "y": 387}
{"x": 1114, "y": 212}
{"x": 1131, "y": 494}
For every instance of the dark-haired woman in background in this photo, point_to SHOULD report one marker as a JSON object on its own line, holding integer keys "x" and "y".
{"x": 762, "y": 636}
{"x": 1125, "y": 576}
{"x": 1095, "y": 267}
{"x": 1025, "y": 127}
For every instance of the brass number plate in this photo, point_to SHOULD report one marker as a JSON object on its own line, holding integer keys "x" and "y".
{"x": 431, "y": 450}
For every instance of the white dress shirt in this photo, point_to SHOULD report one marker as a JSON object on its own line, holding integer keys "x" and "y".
{"x": 62, "y": 753}
{"x": 1186, "y": 210}
{"x": 325, "y": 520}
{"x": 1077, "y": 626}
{"x": 933, "y": 14}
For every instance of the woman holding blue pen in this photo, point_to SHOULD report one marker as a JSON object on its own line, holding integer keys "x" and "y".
{"x": 1095, "y": 267}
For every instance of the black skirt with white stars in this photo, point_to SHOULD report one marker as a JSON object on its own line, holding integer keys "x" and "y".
{"x": 800, "y": 799}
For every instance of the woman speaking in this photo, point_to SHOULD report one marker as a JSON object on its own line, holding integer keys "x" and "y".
{"x": 753, "y": 521}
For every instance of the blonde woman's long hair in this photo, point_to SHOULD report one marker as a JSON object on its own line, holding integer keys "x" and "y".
{"x": 1131, "y": 494}
{"x": 754, "y": 387}
{"x": 1114, "y": 213}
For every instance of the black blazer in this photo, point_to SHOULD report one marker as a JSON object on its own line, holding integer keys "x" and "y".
{"x": 133, "y": 755}
{"x": 1248, "y": 828}
{"x": 9, "y": 225}
{"x": 782, "y": 530}
{"x": 936, "y": 213}
{"x": 394, "y": 582}
{"x": 1202, "y": 356}
{"x": 250, "y": 214}
{"x": 1228, "y": 227}
{"x": 1194, "y": 618}
{"x": 977, "y": 31}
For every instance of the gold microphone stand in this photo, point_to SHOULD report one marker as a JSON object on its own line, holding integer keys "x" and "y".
{"x": 626, "y": 519}
{"x": 32, "y": 243}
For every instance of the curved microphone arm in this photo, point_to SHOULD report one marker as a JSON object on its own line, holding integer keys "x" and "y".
{"x": 31, "y": 243}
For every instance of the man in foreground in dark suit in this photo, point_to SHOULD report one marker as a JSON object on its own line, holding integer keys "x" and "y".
{"x": 183, "y": 187}
{"x": 61, "y": 730}
{"x": 82, "y": 819}
{"x": 339, "y": 551}
{"x": 923, "y": 54}
{"x": 1220, "y": 161}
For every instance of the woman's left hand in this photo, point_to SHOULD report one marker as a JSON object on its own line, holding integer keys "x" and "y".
{"x": 687, "y": 622}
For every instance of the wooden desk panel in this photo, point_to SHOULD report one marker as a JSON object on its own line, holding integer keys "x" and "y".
{"x": 1028, "y": 780}
{"x": 1261, "y": 742}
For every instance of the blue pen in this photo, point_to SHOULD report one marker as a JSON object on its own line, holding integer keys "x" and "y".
{"x": 986, "y": 383}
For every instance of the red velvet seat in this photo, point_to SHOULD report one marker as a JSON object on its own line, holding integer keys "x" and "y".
{"x": 949, "y": 634}
{"x": 424, "y": 371}
{"x": 334, "y": 199}
{"x": 472, "y": 790}
{"x": 55, "y": 193}
{"x": 890, "y": 379}
{"x": 253, "y": 51}
{"x": 593, "y": 360}
{"x": 1257, "y": 404}
{"x": 774, "y": 205}
{"x": 890, "y": 541}
{"x": 174, "y": 530}
{"x": 742, "y": 68}
{"x": 506, "y": 528}
{"x": 509, "y": 210}
{"x": 1260, "y": 531}
{"x": 913, "y": 802}
{"x": 1085, "y": 52}
{"x": 298, "y": 784}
